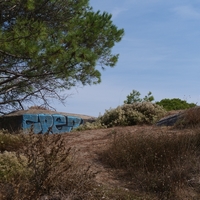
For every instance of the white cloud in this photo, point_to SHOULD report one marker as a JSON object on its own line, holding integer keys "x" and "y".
{"x": 187, "y": 12}
{"x": 117, "y": 11}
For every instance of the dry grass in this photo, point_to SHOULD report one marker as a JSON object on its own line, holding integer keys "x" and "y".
{"x": 190, "y": 119}
{"x": 44, "y": 168}
{"x": 165, "y": 164}
{"x": 153, "y": 164}
{"x": 38, "y": 108}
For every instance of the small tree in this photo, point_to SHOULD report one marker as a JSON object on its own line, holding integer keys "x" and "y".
{"x": 134, "y": 97}
{"x": 149, "y": 97}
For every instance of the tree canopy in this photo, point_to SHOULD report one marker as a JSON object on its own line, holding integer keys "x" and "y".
{"x": 175, "y": 104}
{"x": 47, "y": 46}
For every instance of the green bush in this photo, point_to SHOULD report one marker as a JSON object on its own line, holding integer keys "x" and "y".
{"x": 175, "y": 104}
{"x": 132, "y": 114}
{"x": 127, "y": 115}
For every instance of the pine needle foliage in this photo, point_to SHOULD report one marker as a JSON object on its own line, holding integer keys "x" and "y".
{"x": 47, "y": 46}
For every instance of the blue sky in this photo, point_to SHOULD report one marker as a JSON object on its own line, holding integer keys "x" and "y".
{"x": 159, "y": 53}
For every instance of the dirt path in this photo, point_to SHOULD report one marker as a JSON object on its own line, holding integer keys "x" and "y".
{"x": 89, "y": 143}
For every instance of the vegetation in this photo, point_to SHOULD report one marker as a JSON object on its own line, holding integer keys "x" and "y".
{"x": 151, "y": 164}
{"x": 190, "y": 118}
{"x": 132, "y": 114}
{"x": 45, "y": 167}
{"x": 167, "y": 104}
{"x": 97, "y": 124}
{"x": 10, "y": 142}
{"x": 164, "y": 164}
{"x": 175, "y": 104}
{"x": 42, "y": 167}
{"x": 134, "y": 97}
{"x": 48, "y": 46}
{"x": 127, "y": 115}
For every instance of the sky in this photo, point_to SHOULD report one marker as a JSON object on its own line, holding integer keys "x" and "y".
{"x": 159, "y": 52}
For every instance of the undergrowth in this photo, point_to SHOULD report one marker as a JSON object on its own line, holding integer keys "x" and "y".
{"x": 161, "y": 164}
{"x": 189, "y": 119}
{"x": 127, "y": 115}
{"x": 11, "y": 142}
{"x": 165, "y": 164}
{"x": 43, "y": 167}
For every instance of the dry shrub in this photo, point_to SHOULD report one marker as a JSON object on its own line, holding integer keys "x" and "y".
{"x": 45, "y": 168}
{"x": 189, "y": 119}
{"x": 157, "y": 163}
{"x": 39, "y": 108}
{"x": 11, "y": 167}
{"x": 90, "y": 126}
{"x": 50, "y": 171}
{"x": 10, "y": 142}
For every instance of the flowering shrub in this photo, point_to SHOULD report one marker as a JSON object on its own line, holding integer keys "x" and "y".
{"x": 11, "y": 166}
{"x": 90, "y": 126}
{"x": 127, "y": 115}
{"x": 132, "y": 114}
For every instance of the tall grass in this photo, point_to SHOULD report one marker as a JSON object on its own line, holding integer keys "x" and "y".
{"x": 189, "y": 119}
{"x": 159, "y": 163}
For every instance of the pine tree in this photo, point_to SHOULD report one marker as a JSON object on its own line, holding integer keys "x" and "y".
{"x": 47, "y": 46}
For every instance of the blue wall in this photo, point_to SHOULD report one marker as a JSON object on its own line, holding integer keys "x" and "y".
{"x": 55, "y": 123}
